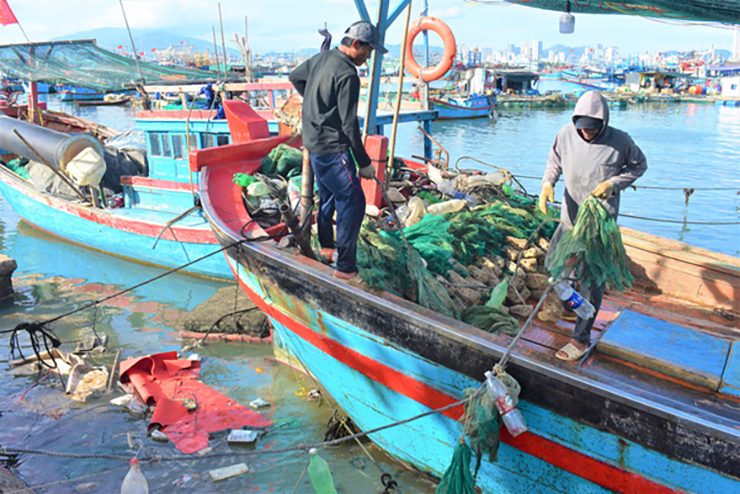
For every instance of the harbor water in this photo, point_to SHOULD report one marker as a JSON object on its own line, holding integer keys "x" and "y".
{"x": 690, "y": 146}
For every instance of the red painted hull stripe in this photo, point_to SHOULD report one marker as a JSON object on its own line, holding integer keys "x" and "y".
{"x": 556, "y": 454}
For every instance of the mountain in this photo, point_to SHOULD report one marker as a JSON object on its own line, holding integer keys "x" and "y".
{"x": 144, "y": 39}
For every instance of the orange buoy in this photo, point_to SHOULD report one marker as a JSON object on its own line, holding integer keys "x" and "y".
{"x": 448, "y": 57}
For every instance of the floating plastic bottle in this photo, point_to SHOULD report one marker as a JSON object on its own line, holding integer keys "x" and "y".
{"x": 134, "y": 482}
{"x": 318, "y": 470}
{"x": 574, "y": 300}
{"x": 513, "y": 419}
{"x": 451, "y": 206}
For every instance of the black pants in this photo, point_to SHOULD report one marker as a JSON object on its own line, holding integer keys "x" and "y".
{"x": 594, "y": 294}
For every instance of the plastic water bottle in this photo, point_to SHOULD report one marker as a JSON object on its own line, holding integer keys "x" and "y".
{"x": 318, "y": 470}
{"x": 134, "y": 482}
{"x": 574, "y": 300}
{"x": 448, "y": 189}
{"x": 451, "y": 206}
{"x": 513, "y": 419}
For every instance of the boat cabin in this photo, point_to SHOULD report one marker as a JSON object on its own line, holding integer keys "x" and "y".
{"x": 514, "y": 80}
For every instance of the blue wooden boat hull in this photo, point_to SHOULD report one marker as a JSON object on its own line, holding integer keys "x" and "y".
{"x": 378, "y": 382}
{"x": 473, "y": 107}
{"x": 384, "y": 359}
{"x": 124, "y": 232}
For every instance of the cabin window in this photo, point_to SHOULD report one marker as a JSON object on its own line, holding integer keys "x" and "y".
{"x": 207, "y": 141}
{"x": 193, "y": 139}
{"x": 166, "y": 150}
{"x": 178, "y": 146}
{"x": 213, "y": 140}
{"x": 155, "y": 147}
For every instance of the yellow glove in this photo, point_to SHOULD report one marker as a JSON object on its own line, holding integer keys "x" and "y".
{"x": 604, "y": 190}
{"x": 547, "y": 194}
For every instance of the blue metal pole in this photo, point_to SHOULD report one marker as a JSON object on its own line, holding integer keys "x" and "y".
{"x": 425, "y": 91}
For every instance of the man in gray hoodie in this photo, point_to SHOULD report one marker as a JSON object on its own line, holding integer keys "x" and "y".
{"x": 594, "y": 160}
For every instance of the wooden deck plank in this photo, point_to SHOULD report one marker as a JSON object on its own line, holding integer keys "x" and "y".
{"x": 674, "y": 350}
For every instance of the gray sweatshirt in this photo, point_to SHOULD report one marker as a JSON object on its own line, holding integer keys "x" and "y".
{"x": 612, "y": 156}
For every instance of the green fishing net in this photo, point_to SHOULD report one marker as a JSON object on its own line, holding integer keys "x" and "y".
{"x": 457, "y": 479}
{"x": 474, "y": 236}
{"x": 490, "y": 319}
{"x": 596, "y": 246}
{"x": 433, "y": 241}
{"x": 284, "y": 160}
{"x": 517, "y": 220}
{"x": 386, "y": 264}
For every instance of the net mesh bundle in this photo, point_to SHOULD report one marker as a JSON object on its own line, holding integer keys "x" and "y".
{"x": 595, "y": 244}
{"x": 83, "y": 63}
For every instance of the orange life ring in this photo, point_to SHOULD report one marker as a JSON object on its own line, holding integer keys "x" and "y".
{"x": 448, "y": 57}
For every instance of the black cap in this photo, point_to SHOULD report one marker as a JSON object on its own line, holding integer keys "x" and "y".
{"x": 588, "y": 123}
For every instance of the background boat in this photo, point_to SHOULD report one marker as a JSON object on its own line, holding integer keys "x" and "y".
{"x": 474, "y": 106}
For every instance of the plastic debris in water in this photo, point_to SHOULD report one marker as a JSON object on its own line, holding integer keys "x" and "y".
{"x": 228, "y": 472}
{"x": 159, "y": 436}
{"x": 242, "y": 436}
{"x": 134, "y": 482}
{"x": 259, "y": 403}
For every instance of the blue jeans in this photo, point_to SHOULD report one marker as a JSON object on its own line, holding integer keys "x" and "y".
{"x": 340, "y": 190}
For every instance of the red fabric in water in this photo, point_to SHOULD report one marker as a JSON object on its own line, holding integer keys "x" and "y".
{"x": 166, "y": 381}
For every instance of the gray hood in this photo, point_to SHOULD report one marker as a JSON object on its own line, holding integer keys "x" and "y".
{"x": 611, "y": 155}
{"x": 592, "y": 104}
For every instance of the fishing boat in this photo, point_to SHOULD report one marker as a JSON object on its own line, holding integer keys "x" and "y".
{"x": 159, "y": 222}
{"x": 109, "y": 102}
{"x": 155, "y": 219}
{"x": 653, "y": 407}
{"x": 79, "y": 94}
{"x": 473, "y": 106}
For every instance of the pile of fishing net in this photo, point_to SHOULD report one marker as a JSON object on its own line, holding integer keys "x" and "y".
{"x": 284, "y": 160}
{"x": 469, "y": 262}
{"x": 386, "y": 264}
{"x": 595, "y": 244}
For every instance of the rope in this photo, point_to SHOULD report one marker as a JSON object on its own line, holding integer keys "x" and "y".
{"x": 66, "y": 481}
{"x": 630, "y": 215}
{"x": 271, "y": 451}
{"x": 649, "y": 186}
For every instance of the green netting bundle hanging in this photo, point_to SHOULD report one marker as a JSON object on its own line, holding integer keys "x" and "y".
{"x": 284, "y": 160}
{"x": 457, "y": 479}
{"x": 483, "y": 421}
{"x": 596, "y": 244}
{"x": 490, "y": 319}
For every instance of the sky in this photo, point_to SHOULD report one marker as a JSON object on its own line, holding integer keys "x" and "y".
{"x": 290, "y": 25}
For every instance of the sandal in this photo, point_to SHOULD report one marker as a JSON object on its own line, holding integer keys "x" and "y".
{"x": 353, "y": 279}
{"x": 570, "y": 353}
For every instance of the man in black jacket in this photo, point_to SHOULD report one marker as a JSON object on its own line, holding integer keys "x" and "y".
{"x": 330, "y": 88}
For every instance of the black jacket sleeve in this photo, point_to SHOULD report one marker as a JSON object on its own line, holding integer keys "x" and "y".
{"x": 348, "y": 96}
{"x": 299, "y": 77}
